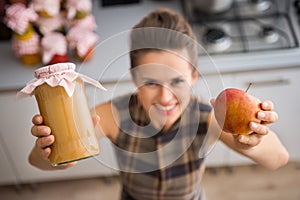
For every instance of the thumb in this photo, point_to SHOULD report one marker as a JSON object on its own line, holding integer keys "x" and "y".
{"x": 96, "y": 120}
{"x": 212, "y": 102}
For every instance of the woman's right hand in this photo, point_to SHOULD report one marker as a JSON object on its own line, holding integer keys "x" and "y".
{"x": 39, "y": 156}
{"x": 44, "y": 138}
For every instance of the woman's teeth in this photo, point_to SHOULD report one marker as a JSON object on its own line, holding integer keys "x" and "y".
{"x": 165, "y": 108}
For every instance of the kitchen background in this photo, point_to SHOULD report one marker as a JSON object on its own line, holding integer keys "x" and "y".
{"x": 251, "y": 41}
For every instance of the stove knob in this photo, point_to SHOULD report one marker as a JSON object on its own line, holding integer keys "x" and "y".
{"x": 297, "y": 4}
{"x": 297, "y": 7}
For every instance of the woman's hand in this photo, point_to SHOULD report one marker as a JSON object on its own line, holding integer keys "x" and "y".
{"x": 44, "y": 138}
{"x": 41, "y": 151}
{"x": 267, "y": 116}
{"x": 262, "y": 146}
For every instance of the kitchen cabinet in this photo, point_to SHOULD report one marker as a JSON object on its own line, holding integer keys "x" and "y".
{"x": 15, "y": 125}
{"x": 7, "y": 173}
{"x": 282, "y": 87}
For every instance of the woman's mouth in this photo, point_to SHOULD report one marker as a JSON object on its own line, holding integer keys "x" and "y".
{"x": 166, "y": 110}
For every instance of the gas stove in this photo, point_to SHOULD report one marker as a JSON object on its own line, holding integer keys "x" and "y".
{"x": 249, "y": 26}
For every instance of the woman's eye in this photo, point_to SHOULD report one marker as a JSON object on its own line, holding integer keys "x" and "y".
{"x": 177, "y": 82}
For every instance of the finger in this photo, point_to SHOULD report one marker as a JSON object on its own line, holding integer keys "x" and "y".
{"x": 267, "y": 105}
{"x": 259, "y": 129}
{"x": 44, "y": 142}
{"x": 45, "y": 153}
{"x": 250, "y": 140}
{"x": 37, "y": 119}
{"x": 96, "y": 120}
{"x": 212, "y": 102}
{"x": 267, "y": 116}
{"x": 40, "y": 131}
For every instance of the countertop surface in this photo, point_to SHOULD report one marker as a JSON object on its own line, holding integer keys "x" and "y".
{"x": 111, "y": 58}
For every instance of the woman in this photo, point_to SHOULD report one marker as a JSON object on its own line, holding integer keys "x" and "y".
{"x": 162, "y": 133}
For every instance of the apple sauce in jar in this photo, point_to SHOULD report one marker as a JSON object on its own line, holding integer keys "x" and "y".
{"x": 61, "y": 98}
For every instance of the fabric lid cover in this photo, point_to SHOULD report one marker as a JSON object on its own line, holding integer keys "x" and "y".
{"x": 60, "y": 74}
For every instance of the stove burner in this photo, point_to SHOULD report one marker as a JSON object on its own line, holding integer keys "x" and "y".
{"x": 269, "y": 34}
{"x": 245, "y": 29}
{"x": 261, "y": 5}
{"x": 217, "y": 39}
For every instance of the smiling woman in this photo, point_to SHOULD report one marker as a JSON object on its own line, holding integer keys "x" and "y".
{"x": 164, "y": 82}
{"x": 162, "y": 132}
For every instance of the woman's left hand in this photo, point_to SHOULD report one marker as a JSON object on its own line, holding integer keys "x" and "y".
{"x": 267, "y": 116}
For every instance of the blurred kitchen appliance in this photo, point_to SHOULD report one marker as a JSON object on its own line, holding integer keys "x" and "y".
{"x": 117, "y": 2}
{"x": 212, "y": 6}
{"x": 246, "y": 26}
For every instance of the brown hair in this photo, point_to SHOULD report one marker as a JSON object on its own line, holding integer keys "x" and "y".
{"x": 162, "y": 29}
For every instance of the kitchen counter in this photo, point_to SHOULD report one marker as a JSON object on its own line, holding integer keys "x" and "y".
{"x": 109, "y": 53}
{"x": 111, "y": 60}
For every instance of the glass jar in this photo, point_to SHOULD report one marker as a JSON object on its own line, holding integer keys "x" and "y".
{"x": 61, "y": 98}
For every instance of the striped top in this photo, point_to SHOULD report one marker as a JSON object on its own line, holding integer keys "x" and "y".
{"x": 157, "y": 165}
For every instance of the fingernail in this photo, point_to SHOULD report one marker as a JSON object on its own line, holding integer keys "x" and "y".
{"x": 242, "y": 138}
{"x": 265, "y": 104}
{"x": 253, "y": 125}
{"x": 45, "y": 130}
{"x": 261, "y": 115}
{"x": 49, "y": 139}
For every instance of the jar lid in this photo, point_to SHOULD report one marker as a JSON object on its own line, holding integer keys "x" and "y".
{"x": 18, "y": 17}
{"x": 60, "y": 74}
{"x": 59, "y": 68}
{"x": 53, "y": 44}
{"x": 51, "y": 24}
{"x": 52, "y": 7}
{"x": 75, "y": 5}
{"x": 81, "y": 40}
{"x": 24, "y": 47}
{"x": 86, "y": 23}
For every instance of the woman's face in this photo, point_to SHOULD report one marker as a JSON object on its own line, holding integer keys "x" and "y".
{"x": 164, "y": 80}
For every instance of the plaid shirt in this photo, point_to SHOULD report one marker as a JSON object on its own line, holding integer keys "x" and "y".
{"x": 157, "y": 165}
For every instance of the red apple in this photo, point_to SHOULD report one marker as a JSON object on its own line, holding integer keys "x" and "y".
{"x": 234, "y": 109}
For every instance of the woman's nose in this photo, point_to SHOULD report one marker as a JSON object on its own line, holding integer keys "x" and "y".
{"x": 165, "y": 95}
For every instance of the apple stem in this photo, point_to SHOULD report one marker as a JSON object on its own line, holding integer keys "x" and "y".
{"x": 248, "y": 87}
